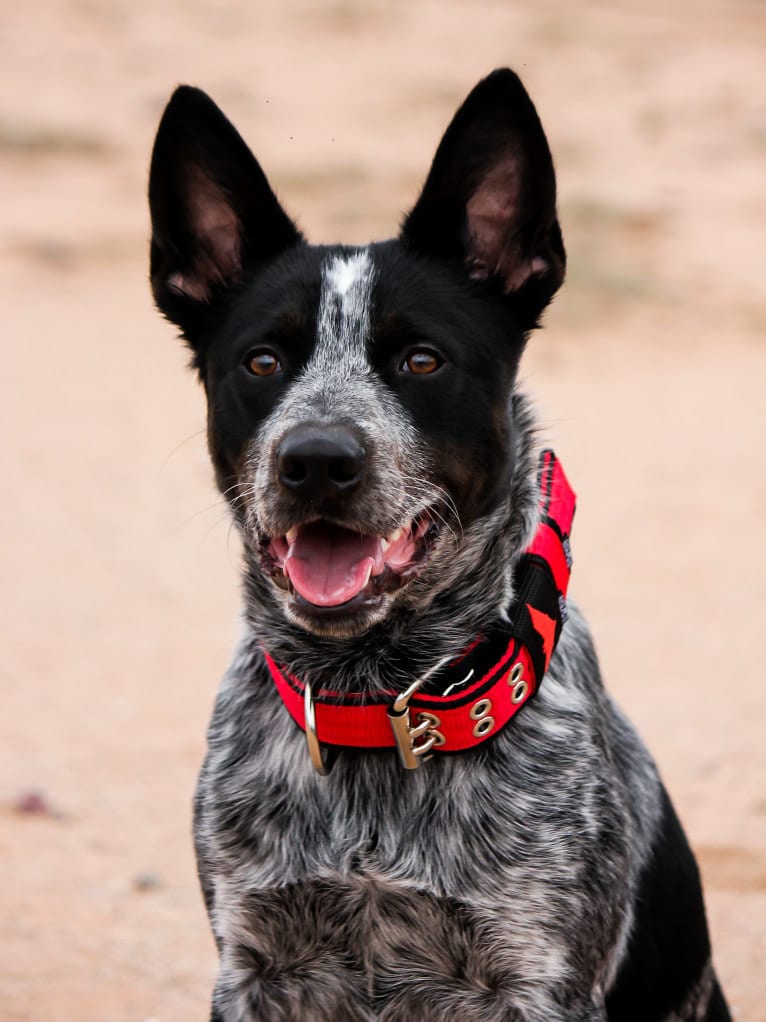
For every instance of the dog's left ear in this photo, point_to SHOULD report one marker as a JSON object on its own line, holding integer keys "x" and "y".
{"x": 490, "y": 197}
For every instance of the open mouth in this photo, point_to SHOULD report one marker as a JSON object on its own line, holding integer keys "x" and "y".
{"x": 330, "y": 569}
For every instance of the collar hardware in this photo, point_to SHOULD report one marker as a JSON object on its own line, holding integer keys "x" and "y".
{"x": 322, "y": 761}
{"x": 405, "y": 735}
{"x": 518, "y": 684}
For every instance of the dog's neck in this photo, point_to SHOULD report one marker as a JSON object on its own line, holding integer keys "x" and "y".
{"x": 461, "y": 701}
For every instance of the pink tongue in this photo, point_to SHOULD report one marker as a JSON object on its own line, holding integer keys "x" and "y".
{"x": 329, "y": 565}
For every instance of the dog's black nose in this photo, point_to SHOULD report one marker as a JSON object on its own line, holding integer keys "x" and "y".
{"x": 320, "y": 462}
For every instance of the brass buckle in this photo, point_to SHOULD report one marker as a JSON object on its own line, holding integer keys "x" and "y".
{"x": 410, "y": 754}
{"x": 322, "y": 762}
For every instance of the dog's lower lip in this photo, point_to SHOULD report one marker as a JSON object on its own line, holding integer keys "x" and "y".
{"x": 361, "y": 602}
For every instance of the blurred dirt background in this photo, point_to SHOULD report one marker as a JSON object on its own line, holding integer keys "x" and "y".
{"x": 119, "y": 570}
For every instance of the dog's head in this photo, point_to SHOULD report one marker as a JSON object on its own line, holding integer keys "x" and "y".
{"x": 362, "y": 423}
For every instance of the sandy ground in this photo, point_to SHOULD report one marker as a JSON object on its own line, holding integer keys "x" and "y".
{"x": 118, "y": 565}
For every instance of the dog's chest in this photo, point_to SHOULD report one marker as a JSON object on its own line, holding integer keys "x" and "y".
{"x": 366, "y": 899}
{"x": 364, "y": 940}
{"x": 485, "y": 869}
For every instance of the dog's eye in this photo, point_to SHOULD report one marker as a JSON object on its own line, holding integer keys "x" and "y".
{"x": 421, "y": 363}
{"x": 262, "y": 363}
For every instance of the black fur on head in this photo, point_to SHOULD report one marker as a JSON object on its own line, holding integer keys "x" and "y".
{"x": 477, "y": 260}
{"x": 489, "y": 202}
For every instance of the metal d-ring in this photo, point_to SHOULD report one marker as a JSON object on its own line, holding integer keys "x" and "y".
{"x": 410, "y": 754}
{"x": 321, "y": 763}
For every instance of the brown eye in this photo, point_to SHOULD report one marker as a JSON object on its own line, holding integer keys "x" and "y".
{"x": 263, "y": 363}
{"x": 421, "y": 363}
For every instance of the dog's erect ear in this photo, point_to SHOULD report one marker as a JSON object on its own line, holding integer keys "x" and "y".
{"x": 213, "y": 211}
{"x": 490, "y": 197}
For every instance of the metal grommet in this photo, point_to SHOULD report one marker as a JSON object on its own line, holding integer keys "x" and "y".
{"x": 480, "y": 709}
{"x": 516, "y": 674}
{"x": 520, "y": 690}
{"x": 483, "y": 727}
{"x": 438, "y": 738}
{"x": 433, "y": 720}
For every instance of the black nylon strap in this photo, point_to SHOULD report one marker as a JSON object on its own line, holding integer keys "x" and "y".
{"x": 537, "y": 589}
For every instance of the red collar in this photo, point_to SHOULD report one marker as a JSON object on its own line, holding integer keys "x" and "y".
{"x": 463, "y": 702}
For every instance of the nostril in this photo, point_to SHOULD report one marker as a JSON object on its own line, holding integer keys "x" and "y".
{"x": 292, "y": 470}
{"x": 344, "y": 470}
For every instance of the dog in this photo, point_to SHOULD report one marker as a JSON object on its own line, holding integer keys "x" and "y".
{"x": 379, "y": 834}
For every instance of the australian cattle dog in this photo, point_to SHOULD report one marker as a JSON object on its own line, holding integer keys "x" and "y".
{"x": 418, "y": 801}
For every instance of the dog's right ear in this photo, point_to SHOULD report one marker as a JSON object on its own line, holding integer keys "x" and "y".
{"x": 213, "y": 211}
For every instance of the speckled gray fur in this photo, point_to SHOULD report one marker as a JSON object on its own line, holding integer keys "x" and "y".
{"x": 514, "y": 866}
{"x": 497, "y": 885}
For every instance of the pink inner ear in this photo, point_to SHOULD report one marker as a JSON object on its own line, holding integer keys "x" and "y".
{"x": 492, "y": 215}
{"x": 186, "y": 284}
{"x": 216, "y": 228}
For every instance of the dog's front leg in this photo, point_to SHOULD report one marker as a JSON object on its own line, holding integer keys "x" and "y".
{"x": 593, "y": 1013}
{"x": 227, "y": 1003}
{"x": 301, "y": 993}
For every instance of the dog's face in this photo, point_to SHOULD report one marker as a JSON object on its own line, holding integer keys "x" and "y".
{"x": 360, "y": 413}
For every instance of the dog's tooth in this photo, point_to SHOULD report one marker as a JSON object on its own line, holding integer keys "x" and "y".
{"x": 384, "y": 545}
{"x": 396, "y": 534}
{"x": 291, "y": 535}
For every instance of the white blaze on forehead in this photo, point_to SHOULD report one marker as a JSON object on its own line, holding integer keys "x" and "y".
{"x": 343, "y": 322}
{"x": 343, "y": 273}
